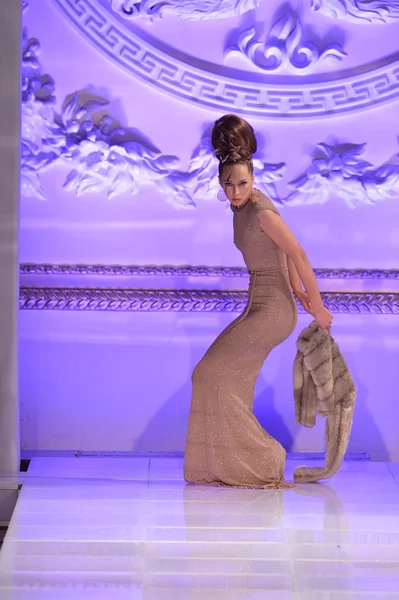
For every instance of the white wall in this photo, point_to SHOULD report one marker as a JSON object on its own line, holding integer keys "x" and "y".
{"x": 121, "y": 381}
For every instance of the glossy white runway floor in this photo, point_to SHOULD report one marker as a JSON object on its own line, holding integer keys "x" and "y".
{"x": 130, "y": 529}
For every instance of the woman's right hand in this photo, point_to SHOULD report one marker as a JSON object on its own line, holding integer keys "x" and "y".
{"x": 324, "y": 318}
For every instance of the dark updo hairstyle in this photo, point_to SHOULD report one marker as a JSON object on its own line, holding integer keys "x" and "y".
{"x": 234, "y": 142}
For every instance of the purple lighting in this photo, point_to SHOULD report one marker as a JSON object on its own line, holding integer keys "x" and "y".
{"x": 120, "y": 283}
{"x": 125, "y": 268}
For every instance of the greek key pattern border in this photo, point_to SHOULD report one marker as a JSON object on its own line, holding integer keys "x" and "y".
{"x": 123, "y": 45}
{"x": 191, "y": 271}
{"x": 157, "y": 300}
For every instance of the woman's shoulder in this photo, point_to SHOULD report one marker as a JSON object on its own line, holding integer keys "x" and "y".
{"x": 262, "y": 202}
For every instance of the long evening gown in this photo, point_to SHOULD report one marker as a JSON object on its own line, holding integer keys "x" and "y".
{"x": 226, "y": 445}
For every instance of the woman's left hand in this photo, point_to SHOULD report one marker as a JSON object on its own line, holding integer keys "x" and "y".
{"x": 304, "y": 300}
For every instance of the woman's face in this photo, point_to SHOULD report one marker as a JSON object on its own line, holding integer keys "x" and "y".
{"x": 237, "y": 182}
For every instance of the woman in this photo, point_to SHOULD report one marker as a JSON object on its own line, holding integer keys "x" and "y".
{"x": 225, "y": 444}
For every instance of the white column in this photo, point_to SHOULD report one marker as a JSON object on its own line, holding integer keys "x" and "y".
{"x": 10, "y": 101}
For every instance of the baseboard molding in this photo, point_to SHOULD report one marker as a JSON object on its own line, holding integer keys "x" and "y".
{"x": 29, "y": 454}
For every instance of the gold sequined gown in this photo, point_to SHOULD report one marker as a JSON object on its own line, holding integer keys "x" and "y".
{"x": 226, "y": 445}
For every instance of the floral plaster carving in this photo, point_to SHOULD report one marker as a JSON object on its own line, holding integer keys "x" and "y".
{"x": 37, "y": 117}
{"x": 102, "y": 155}
{"x": 102, "y": 162}
{"x": 344, "y": 173}
{"x": 359, "y": 11}
{"x": 187, "y": 9}
{"x": 285, "y": 48}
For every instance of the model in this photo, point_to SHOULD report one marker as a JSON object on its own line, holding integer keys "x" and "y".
{"x": 226, "y": 444}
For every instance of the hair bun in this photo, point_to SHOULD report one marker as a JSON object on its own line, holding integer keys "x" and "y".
{"x": 233, "y": 139}
{"x": 226, "y": 150}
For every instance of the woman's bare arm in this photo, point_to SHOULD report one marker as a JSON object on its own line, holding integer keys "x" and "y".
{"x": 279, "y": 232}
{"x": 295, "y": 280}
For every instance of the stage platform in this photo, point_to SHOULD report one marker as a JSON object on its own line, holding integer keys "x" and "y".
{"x": 112, "y": 528}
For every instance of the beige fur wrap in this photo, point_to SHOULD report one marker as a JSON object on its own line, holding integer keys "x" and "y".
{"x": 323, "y": 384}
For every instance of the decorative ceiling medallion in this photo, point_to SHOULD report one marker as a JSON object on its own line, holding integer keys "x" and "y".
{"x": 192, "y": 10}
{"x": 359, "y": 11}
{"x": 251, "y": 94}
{"x": 285, "y": 48}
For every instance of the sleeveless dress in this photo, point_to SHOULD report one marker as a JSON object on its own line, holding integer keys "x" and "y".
{"x": 226, "y": 445}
